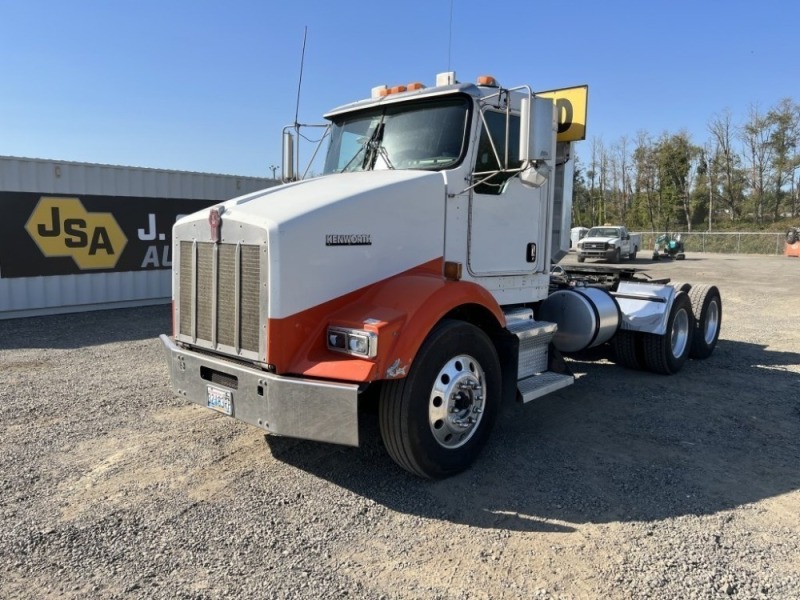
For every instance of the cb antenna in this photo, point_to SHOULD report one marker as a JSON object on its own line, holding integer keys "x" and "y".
{"x": 450, "y": 36}
{"x": 300, "y": 82}
{"x": 291, "y": 150}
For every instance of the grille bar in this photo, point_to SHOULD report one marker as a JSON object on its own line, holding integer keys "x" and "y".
{"x": 237, "y": 286}
{"x": 220, "y": 295}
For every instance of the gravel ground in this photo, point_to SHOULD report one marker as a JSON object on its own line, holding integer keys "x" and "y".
{"x": 624, "y": 485}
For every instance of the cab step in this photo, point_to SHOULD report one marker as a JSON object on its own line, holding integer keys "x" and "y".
{"x": 534, "y": 379}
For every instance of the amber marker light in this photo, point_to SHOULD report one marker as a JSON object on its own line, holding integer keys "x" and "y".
{"x": 452, "y": 270}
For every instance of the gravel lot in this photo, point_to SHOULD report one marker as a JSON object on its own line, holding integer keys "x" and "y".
{"x": 625, "y": 485}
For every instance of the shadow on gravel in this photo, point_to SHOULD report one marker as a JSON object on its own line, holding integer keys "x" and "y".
{"x": 77, "y": 330}
{"x": 619, "y": 445}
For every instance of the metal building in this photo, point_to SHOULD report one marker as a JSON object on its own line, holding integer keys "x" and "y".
{"x": 79, "y": 236}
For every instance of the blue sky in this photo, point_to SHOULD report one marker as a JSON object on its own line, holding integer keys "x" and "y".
{"x": 208, "y": 86}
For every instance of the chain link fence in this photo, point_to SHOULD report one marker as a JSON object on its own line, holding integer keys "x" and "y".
{"x": 724, "y": 243}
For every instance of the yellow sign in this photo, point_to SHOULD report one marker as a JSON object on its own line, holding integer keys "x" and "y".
{"x": 63, "y": 227}
{"x": 571, "y": 104}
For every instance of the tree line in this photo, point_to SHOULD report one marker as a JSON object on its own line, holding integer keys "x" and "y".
{"x": 742, "y": 176}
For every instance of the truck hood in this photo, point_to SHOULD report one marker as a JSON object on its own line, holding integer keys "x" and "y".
{"x": 599, "y": 239}
{"x": 288, "y": 202}
{"x": 332, "y": 235}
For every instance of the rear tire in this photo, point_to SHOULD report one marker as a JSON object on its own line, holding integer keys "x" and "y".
{"x": 707, "y": 309}
{"x": 435, "y": 421}
{"x": 666, "y": 353}
{"x": 632, "y": 255}
{"x": 681, "y": 286}
{"x": 628, "y": 349}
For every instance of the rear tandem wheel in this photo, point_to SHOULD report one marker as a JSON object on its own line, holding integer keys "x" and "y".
{"x": 707, "y": 309}
{"x": 666, "y": 353}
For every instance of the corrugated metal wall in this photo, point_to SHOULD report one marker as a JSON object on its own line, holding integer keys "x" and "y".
{"x": 27, "y": 296}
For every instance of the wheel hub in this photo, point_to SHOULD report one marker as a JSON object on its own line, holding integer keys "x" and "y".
{"x": 456, "y": 401}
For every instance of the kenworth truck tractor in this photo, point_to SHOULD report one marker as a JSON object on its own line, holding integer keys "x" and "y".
{"x": 419, "y": 271}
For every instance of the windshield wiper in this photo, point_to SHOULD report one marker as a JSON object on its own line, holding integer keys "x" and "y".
{"x": 355, "y": 156}
{"x": 373, "y": 148}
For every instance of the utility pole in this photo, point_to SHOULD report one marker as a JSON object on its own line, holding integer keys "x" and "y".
{"x": 274, "y": 168}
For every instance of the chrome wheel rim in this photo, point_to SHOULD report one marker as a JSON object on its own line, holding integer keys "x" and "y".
{"x": 712, "y": 322}
{"x": 680, "y": 333}
{"x": 456, "y": 403}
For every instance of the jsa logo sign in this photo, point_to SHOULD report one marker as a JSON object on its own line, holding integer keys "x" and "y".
{"x": 63, "y": 227}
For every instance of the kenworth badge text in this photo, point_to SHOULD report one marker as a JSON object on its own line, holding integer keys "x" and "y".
{"x": 419, "y": 271}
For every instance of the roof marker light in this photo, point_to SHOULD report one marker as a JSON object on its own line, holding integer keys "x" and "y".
{"x": 487, "y": 80}
{"x": 379, "y": 91}
{"x": 415, "y": 86}
{"x": 397, "y": 89}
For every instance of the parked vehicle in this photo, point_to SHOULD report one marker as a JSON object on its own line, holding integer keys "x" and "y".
{"x": 415, "y": 273}
{"x": 669, "y": 246}
{"x": 610, "y": 242}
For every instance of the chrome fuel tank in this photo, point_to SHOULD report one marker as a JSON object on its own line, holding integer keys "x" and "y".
{"x": 586, "y": 317}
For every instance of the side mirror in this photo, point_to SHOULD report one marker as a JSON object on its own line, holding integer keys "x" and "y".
{"x": 538, "y": 127}
{"x": 287, "y": 168}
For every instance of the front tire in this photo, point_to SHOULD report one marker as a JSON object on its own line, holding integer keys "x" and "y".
{"x": 435, "y": 421}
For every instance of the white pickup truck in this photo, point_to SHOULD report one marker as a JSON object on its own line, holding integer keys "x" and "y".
{"x": 611, "y": 242}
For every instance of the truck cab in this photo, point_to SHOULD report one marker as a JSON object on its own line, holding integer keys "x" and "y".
{"x": 417, "y": 266}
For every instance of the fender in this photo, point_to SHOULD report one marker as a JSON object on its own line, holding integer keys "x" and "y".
{"x": 401, "y": 310}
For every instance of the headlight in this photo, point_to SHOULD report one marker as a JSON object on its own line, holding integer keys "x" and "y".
{"x": 610, "y": 245}
{"x": 353, "y": 341}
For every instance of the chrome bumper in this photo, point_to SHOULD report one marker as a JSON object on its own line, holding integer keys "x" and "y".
{"x": 606, "y": 254}
{"x": 293, "y": 407}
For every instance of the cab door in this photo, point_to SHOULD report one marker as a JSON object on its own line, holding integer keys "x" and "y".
{"x": 506, "y": 218}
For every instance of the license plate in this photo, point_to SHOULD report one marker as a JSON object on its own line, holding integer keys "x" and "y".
{"x": 220, "y": 400}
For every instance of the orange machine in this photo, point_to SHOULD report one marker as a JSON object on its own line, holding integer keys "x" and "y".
{"x": 793, "y": 242}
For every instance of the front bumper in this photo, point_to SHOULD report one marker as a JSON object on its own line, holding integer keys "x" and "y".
{"x": 606, "y": 254}
{"x": 302, "y": 408}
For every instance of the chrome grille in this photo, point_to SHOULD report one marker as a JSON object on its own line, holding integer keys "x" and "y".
{"x": 219, "y": 295}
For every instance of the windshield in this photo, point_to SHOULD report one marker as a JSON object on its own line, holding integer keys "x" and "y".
{"x": 421, "y": 135}
{"x": 603, "y": 232}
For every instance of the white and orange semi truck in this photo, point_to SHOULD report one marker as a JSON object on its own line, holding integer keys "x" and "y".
{"x": 421, "y": 267}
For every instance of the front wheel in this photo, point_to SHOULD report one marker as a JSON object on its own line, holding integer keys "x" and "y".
{"x": 435, "y": 421}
